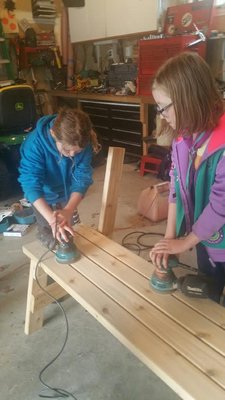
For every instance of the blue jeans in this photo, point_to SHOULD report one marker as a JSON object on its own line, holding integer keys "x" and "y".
{"x": 217, "y": 272}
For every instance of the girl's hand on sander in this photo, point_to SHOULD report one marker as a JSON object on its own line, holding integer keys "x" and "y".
{"x": 170, "y": 246}
{"x": 64, "y": 217}
{"x": 61, "y": 225}
{"x": 159, "y": 260}
{"x": 62, "y": 233}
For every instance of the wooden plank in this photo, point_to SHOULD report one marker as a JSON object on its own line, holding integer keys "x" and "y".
{"x": 102, "y": 97}
{"x": 204, "y": 307}
{"x": 113, "y": 175}
{"x": 197, "y": 324}
{"x": 145, "y": 124}
{"x": 207, "y": 308}
{"x": 186, "y": 380}
{"x": 42, "y": 299}
{"x": 186, "y": 344}
{"x": 34, "y": 320}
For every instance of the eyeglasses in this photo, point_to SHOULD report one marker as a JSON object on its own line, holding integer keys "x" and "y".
{"x": 160, "y": 111}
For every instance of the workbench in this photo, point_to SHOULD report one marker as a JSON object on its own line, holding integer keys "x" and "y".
{"x": 181, "y": 339}
{"x": 116, "y": 118}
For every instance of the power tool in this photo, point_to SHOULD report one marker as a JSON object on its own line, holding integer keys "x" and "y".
{"x": 67, "y": 252}
{"x": 163, "y": 279}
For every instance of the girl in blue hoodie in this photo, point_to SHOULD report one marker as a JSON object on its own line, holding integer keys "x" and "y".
{"x": 55, "y": 171}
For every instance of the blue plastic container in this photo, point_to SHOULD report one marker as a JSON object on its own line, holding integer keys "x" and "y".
{"x": 26, "y": 216}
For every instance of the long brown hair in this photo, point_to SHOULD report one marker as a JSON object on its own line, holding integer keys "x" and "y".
{"x": 188, "y": 81}
{"x": 73, "y": 127}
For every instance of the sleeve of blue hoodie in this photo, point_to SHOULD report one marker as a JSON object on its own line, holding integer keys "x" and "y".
{"x": 82, "y": 175}
{"x": 45, "y": 174}
{"x": 32, "y": 168}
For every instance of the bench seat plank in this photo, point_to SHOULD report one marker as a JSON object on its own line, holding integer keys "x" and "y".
{"x": 197, "y": 324}
{"x": 166, "y": 328}
{"x": 206, "y": 308}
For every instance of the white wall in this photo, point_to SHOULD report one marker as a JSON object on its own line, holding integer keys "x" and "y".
{"x": 106, "y": 18}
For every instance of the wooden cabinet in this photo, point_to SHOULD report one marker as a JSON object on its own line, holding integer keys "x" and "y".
{"x": 106, "y": 18}
{"x": 118, "y": 124}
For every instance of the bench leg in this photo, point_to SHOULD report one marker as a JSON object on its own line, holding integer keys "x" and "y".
{"x": 37, "y": 299}
{"x": 34, "y": 319}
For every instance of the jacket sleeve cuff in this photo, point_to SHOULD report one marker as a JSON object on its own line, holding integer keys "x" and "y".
{"x": 32, "y": 197}
{"x": 204, "y": 230}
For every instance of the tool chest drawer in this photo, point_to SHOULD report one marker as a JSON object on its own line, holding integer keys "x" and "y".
{"x": 117, "y": 124}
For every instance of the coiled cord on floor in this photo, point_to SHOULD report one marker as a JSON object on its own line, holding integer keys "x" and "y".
{"x": 138, "y": 246}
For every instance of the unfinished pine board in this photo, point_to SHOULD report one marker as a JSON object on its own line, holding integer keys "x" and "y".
{"x": 183, "y": 346}
{"x": 34, "y": 321}
{"x": 206, "y": 308}
{"x": 123, "y": 265}
{"x": 113, "y": 175}
{"x": 145, "y": 124}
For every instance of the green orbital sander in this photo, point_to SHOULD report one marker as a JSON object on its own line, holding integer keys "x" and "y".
{"x": 163, "y": 280}
{"x": 67, "y": 252}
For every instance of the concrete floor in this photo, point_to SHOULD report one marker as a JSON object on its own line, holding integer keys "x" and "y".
{"x": 94, "y": 365}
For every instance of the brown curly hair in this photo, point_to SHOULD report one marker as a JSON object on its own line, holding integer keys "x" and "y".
{"x": 73, "y": 127}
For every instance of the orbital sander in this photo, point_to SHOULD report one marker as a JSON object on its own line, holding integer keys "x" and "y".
{"x": 67, "y": 252}
{"x": 163, "y": 280}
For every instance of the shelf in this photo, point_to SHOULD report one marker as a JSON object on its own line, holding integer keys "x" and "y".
{"x": 26, "y": 54}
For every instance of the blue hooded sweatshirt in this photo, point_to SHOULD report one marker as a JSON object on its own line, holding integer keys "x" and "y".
{"x": 45, "y": 173}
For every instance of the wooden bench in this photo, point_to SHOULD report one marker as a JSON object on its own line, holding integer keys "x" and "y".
{"x": 180, "y": 339}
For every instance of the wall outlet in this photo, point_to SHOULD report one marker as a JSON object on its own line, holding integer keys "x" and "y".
{"x": 110, "y": 53}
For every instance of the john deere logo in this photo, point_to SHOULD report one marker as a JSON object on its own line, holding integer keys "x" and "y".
{"x": 19, "y": 106}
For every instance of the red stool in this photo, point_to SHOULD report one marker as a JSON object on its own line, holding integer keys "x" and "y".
{"x": 150, "y": 164}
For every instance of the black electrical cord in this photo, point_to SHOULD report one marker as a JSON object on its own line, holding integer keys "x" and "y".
{"x": 148, "y": 234}
{"x": 139, "y": 246}
{"x": 58, "y": 391}
{"x": 186, "y": 266}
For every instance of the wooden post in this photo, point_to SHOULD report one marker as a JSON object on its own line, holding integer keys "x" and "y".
{"x": 34, "y": 320}
{"x": 37, "y": 299}
{"x": 113, "y": 175}
{"x": 144, "y": 121}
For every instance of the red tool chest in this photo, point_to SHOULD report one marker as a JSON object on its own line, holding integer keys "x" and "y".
{"x": 179, "y": 19}
{"x": 153, "y": 53}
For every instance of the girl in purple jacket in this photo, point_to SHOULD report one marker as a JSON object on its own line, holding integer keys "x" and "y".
{"x": 189, "y": 101}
